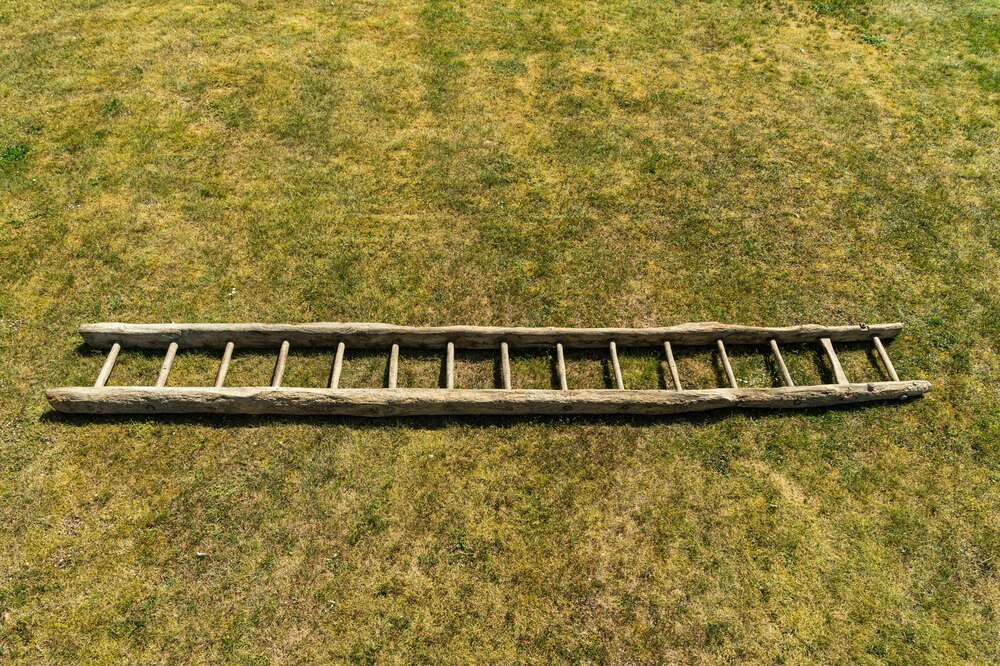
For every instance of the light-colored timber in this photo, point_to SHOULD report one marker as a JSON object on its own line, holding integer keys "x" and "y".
{"x": 109, "y": 365}
{"x": 449, "y": 366}
{"x": 730, "y": 375}
{"x": 227, "y": 357}
{"x": 561, "y": 367}
{"x": 505, "y": 365}
{"x": 393, "y": 366}
{"x": 338, "y": 366}
{"x": 168, "y": 361}
{"x": 786, "y": 377}
{"x": 672, "y": 364}
{"x": 379, "y": 336}
{"x": 394, "y": 401}
{"x": 616, "y": 369}
{"x": 435, "y": 402}
{"x": 886, "y": 361}
{"x": 838, "y": 370}
{"x": 279, "y": 365}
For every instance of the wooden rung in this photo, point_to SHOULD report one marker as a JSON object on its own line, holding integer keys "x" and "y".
{"x": 838, "y": 370}
{"x": 227, "y": 357}
{"x": 561, "y": 367}
{"x": 725, "y": 363}
{"x": 279, "y": 366}
{"x": 168, "y": 361}
{"x": 393, "y": 365}
{"x": 786, "y": 378}
{"x": 674, "y": 377}
{"x": 109, "y": 365}
{"x": 505, "y": 365}
{"x": 613, "y": 349}
{"x": 338, "y": 366}
{"x": 884, "y": 355}
{"x": 449, "y": 367}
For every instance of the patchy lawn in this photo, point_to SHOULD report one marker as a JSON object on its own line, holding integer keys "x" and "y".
{"x": 627, "y": 162}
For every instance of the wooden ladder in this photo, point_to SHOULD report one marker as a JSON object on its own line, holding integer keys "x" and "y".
{"x": 448, "y": 400}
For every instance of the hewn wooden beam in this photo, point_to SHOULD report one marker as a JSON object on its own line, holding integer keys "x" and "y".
{"x": 371, "y": 336}
{"x": 414, "y": 402}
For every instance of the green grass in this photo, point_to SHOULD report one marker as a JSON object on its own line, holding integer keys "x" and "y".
{"x": 617, "y": 163}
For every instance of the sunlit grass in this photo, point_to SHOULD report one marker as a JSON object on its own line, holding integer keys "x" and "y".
{"x": 618, "y": 163}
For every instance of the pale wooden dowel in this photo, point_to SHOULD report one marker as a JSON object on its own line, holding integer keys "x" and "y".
{"x": 613, "y": 349}
{"x": 109, "y": 365}
{"x": 674, "y": 377}
{"x": 505, "y": 365}
{"x": 227, "y": 356}
{"x": 838, "y": 370}
{"x": 168, "y": 361}
{"x": 725, "y": 363}
{"x": 884, "y": 355}
{"x": 279, "y": 366}
{"x": 378, "y": 336}
{"x": 786, "y": 378}
{"x": 338, "y": 366}
{"x": 393, "y": 365}
{"x": 449, "y": 367}
{"x": 561, "y": 367}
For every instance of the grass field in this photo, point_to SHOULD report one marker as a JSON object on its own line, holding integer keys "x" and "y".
{"x": 627, "y": 162}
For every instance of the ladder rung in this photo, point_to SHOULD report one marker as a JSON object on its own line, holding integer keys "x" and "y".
{"x": 884, "y": 355}
{"x": 786, "y": 378}
{"x": 330, "y": 399}
{"x": 109, "y": 365}
{"x": 725, "y": 363}
{"x": 393, "y": 365}
{"x": 338, "y": 366}
{"x": 505, "y": 365}
{"x": 227, "y": 356}
{"x": 615, "y": 367}
{"x": 279, "y": 366}
{"x": 674, "y": 377}
{"x": 838, "y": 370}
{"x": 561, "y": 367}
{"x": 168, "y": 361}
{"x": 449, "y": 367}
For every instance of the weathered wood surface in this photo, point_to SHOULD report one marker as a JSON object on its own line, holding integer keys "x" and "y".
{"x": 616, "y": 368}
{"x": 886, "y": 361}
{"x": 726, "y": 365}
{"x": 109, "y": 365}
{"x": 372, "y": 336}
{"x": 338, "y": 366}
{"x": 838, "y": 369}
{"x": 505, "y": 365}
{"x": 786, "y": 377}
{"x": 227, "y": 357}
{"x": 672, "y": 364}
{"x": 168, "y": 362}
{"x": 429, "y": 402}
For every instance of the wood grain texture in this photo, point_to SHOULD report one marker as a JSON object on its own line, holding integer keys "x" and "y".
{"x": 616, "y": 368}
{"x": 109, "y": 365}
{"x": 429, "y": 402}
{"x": 370, "y": 336}
{"x": 786, "y": 377}
{"x": 886, "y": 361}
{"x": 505, "y": 365}
{"x": 838, "y": 370}
{"x": 227, "y": 357}
{"x": 168, "y": 362}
